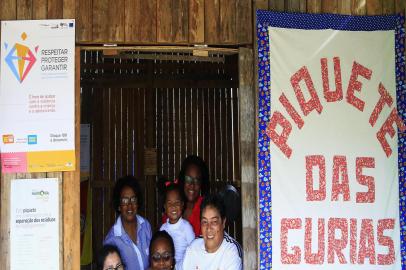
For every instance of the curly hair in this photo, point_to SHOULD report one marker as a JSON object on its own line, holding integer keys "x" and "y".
{"x": 126, "y": 181}
{"x": 204, "y": 172}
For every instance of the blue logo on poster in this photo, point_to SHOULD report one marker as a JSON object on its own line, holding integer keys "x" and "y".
{"x": 32, "y": 139}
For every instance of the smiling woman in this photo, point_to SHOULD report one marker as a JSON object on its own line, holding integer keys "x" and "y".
{"x": 216, "y": 250}
{"x": 131, "y": 233}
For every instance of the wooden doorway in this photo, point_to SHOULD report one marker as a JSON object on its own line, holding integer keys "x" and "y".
{"x": 148, "y": 111}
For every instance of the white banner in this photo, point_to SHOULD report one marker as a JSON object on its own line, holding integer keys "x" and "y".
{"x": 335, "y": 201}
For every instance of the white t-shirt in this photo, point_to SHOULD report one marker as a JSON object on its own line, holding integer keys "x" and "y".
{"x": 182, "y": 235}
{"x": 227, "y": 257}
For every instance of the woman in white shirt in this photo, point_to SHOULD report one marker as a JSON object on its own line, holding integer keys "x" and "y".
{"x": 216, "y": 250}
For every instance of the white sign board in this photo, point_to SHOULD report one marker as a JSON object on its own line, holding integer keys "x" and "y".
{"x": 34, "y": 224}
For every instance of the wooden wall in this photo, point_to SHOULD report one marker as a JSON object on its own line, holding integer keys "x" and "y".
{"x": 173, "y": 107}
{"x": 355, "y": 7}
{"x": 144, "y": 21}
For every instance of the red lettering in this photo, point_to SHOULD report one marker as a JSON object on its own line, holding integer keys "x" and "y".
{"x": 386, "y": 224}
{"x": 311, "y": 193}
{"x": 353, "y": 241}
{"x": 313, "y": 103}
{"x": 314, "y": 258}
{"x": 337, "y": 245}
{"x": 286, "y": 225}
{"x": 329, "y": 95}
{"x": 340, "y": 167}
{"x": 355, "y": 85}
{"x": 280, "y": 140}
{"x": 366, "y": 237}
{"x": 291, "y": 111}
{"x": 369, "y": 181}
{"x": 384, "y": 99}
{"x": 387, "y": 127}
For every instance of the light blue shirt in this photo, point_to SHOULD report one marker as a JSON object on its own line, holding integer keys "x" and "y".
{"x": 134, "y": 256}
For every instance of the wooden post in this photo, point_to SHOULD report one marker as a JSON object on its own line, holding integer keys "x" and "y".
{"x": 248, "y": 158}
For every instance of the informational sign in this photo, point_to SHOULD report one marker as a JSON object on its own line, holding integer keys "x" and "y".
{"x": 37, "y": 95}
{"x": 331, "y": 152}
{"x": 34, "y": 224}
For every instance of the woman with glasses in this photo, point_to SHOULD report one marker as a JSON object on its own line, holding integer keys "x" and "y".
{"x": 162, "y": 252}
{"x": 131, "y": 233}
{"x": 109, "y": 259}
{"x": 194, "y": 180}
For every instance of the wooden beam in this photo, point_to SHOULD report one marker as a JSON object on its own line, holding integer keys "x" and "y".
{"x": 71, "y": 190}
{"x": 248, "y": 146}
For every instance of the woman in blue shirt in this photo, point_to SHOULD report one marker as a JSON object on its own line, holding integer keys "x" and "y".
{"x": 131, "y": 233}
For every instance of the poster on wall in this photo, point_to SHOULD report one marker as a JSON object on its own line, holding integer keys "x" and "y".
{"x": 34, "y": 224}
{"x": 37, "y": 96}
{"x": 331, "y": 141}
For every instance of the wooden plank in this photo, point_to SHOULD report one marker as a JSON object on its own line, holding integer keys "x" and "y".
{"x": 165, "y": 131}
{"x": 388, "y": 7}
{"x": 329, "y": 6}
{"x": 71, "y": 198}
{"x": 196, "y": 21}
{"x": 141, "y": 21}
{"x": 292, "y": 5}
{"x": 180, "y": 21}
{"x": 278, "y": 5}
{"x": 248, "y": 166}
{"x": 177, "y": 124}
{"x": 8, "y": 10}
{"x": 171, "y": 134}
{"x": 182, "y": 120}
{"x": 374, "y": 7}
{"x": 224, "y": 135}
{"x": 39, "y": 9}
{"x": 55, "y": 9}
{"x": 358, "y": 7}
{"x": 243, "y": 22}
{"x": 206, "y": 130}
{"x": 228, "y": 14}
{"x": 400, "y": 6}
{"x": 69, "y": 9}
{"x": 200, "y": 123}
{"x": 212, "y": 21}
{"x": 84, "y": 20}
{"x": 212, "y": 139}
{"x": 111, "y": 29}
{"x": 194, "y": 120}
{"x": 314, "y": 6}
{"x": 217, "y": 130}
{"x": 344, "y": 7}
{"x": 263, "y": 4}
{"x": 164, "y": 21}
{"x": 5, "y": 218}
{"x": 124, "y": 131}
{"x": 24, "y": 10}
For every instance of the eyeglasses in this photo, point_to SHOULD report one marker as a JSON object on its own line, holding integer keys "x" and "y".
{"x": 191, "y": 180}
{"x": 127, "y": 201}
{"x": 118, "y": 267}
{"x": 166, "y": 256}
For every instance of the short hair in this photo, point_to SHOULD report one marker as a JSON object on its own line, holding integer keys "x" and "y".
{"x": 103, "y": 253}
{"x": 126, "y": 181}
{"x": 162, "y": 235}
{"x": 215, "y": 201}
{"x": 204, "y": 172}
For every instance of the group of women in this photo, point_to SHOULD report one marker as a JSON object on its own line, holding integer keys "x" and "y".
{"x": 192, "y": 234}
